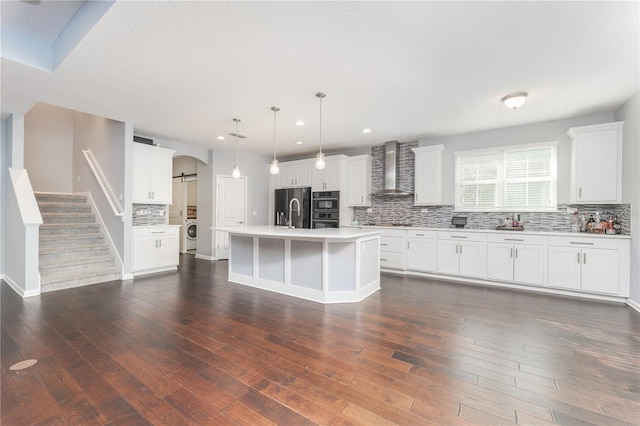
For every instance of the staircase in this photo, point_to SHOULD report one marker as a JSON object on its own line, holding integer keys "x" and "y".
{"x": 73, "y": 251}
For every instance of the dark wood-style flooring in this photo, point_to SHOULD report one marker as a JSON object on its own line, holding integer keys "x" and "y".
{"x": 191, "y": 348}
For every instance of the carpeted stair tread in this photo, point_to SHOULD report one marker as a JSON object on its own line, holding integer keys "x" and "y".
{"x": 60, "y": 198}
{"x": 86, "y": 275}
{"x": 64, "y": 208}
{"x": 69, "y": 228}
{"x": 68, "y": 218}
{"x": 50, "y": 253}
{"x": 77, "y": 263}
{"x": 70, "y": 239}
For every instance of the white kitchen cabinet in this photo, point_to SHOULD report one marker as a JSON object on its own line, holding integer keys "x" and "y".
{"x": 461, "y": 254}
{"x": 392, "y": 249}
{"x": 155, "y": 248}
{"x": 152, "y": 171}
{"x": 359, "y": 181}
{"x": 295, "y": 174}
{"x": 332, "y": 176}
{"x": 517, "y": 259}
{"x": 421, "y": 251}
{"x": 596, "y": 164}
{"x": 586, "y": 264}
{"x": 428, "y": 175}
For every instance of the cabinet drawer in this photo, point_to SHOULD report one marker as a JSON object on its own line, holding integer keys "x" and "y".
{"x": 461, "y": 236}
{"x": 386, "y": 232}
{"x": 421, "y": 234}
{"x": 155, "y": 231}
{"x": 392, "y": 244}
{"x": 391, "y": 260}
{"x": 584, "y": 242}
{"x": 516, "y": 239}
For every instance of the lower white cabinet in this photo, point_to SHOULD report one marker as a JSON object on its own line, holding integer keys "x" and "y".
{"x": 586, "y": 264}
{"x": 392, "y": 249}
{"x": 461, "y": 253}
{"x": 421, "y": 251}
{"x": 155, "y": 248}
{"x": 517, "y": 259}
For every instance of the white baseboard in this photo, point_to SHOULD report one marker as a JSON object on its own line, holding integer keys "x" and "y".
{"x": 635, "y": 305}
{"x": 203, "y": 257}
{"x": 21, "y": 292}
{"x": 127, "y": 277}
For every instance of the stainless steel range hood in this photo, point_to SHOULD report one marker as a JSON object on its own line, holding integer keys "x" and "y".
{"x": 391, "y": 172}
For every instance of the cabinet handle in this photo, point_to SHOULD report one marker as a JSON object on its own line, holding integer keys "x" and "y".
{"x": 240, "y": 223}
{"x": 513, "y": 239}
{"x": 460, "y": 248}
{"x": 408, "y": 245}
{"x": 511, "y": 255}
{"x": 584, "y": 258}
{"x": 384, "y": 244}
{"x": 578, "y": 257}
{"x": 156, "y": 243}
{"x": 458, "y": 236}
{"x": 516, "y": 253}
{"x": 362, "y": 198}
{"x": 580, "y": 193}
{"x": 419, "y": 235}
{"x": 582, "y": 244}
{"x": 456, "y": 249}
{"x": 383, "y": 260}
{"x": 159, "y": 243}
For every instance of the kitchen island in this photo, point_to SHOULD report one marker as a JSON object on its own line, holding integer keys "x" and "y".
{"x": 330, "y": 265}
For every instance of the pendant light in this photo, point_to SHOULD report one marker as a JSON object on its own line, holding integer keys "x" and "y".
{"x": 275, "y": 169}
{"x": 320, "y": 164}
{"x": 236, "y": 168}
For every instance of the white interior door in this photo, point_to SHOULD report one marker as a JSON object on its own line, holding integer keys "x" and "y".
{"x": 230, "y": 210}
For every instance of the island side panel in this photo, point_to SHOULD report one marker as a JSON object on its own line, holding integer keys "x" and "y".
{"x": 271, "y": 259}
{"x": 342, "y": 266}
{"x": 370, "y": 263}
{"x": 306, "y": 264}
{"x": 241, "y": 250}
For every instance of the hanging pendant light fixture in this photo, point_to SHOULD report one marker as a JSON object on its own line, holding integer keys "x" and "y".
{"x": 320, "y": 164}
{"x": 236, "y": 167}
{"x": 275, "y": 169}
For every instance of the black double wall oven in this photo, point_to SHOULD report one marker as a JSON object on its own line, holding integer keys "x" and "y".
{"x": 326, "y": 209}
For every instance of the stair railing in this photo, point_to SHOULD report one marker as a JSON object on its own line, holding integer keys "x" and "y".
{"x": 104, "y": 183}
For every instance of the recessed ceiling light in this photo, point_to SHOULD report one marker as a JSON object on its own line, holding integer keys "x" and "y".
{"x": 299, "y": 142}
{"x": 366, "y": 130}
{"x": 299, "y": 123}
{"x": 220, "y": 138}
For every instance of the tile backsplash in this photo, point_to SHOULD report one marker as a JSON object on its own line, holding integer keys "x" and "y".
{"x": 389, "y": 209}
{"x": 157, "y": 214}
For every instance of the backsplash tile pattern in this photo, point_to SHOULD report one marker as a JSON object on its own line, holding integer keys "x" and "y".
{"x": 389, "y": 209}
{"x": 158, "y": 214}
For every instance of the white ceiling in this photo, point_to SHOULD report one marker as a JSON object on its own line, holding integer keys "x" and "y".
{"x": 408, "y": 70}
{"x": 43, "y": 22}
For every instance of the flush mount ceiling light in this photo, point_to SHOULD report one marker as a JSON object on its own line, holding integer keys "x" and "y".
{"x": 366, "y": 130}
{"x": 299, "y": 143}
{"x": 299, "y": 123}
{"x": 515, "y": 100}
{"x": 275, "y": 169}
{"x": 320, "y": 164}
{"x": 236, "y": 167}
{"x": 220, "y": 138}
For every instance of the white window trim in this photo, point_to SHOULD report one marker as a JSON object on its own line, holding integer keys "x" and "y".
{"x": 500, "y": 182}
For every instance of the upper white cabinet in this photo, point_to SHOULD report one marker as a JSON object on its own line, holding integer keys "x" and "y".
{"x": 359, "y": 177}
{"x": 428, "y": 175}
{"x": 152, "y": 167}
{"x": 296, "y": 173}
{"x": 331, "y": 177}
{"x": 596, "y": 164}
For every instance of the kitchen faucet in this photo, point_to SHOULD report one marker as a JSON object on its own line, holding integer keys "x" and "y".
{"x": 291, "y": 211}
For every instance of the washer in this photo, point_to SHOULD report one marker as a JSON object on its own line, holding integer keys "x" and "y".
{"x": 191, "y": 231}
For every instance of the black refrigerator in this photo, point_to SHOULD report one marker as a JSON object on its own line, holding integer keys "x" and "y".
{"x": 284, "y": 197}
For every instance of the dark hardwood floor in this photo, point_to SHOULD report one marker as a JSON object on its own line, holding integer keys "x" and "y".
{"x": 191, "y": 348}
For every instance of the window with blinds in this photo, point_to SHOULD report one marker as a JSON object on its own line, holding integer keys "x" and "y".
{"x": 517, "y": 178}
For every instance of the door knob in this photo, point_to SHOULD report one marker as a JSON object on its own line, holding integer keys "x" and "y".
{"x": 240, "y": 223}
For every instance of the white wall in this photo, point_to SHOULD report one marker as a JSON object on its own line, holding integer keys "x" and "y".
{"x": 629, "y": 112}
{"x": 48, "y": 148}
{"x": 107, "y": 139}
{"x": 531, "y": 133}
{"x": 184, "y": 164}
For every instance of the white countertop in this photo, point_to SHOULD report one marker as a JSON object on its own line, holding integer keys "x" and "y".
{"x": 157, "y": 226}
{"x": 495, "y": 231}
{"x": 282, "y": 231}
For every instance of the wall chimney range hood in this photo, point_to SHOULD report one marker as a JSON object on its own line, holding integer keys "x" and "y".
{"x": 391, "y": 172}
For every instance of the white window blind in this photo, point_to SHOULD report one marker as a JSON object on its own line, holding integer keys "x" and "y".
{"x": 518, "y": 178}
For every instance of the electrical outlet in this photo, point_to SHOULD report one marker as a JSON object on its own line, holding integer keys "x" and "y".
{"x": 571, "y": 210}
{"x": 369, "y": 210}
{"x": 254, "y": 213}
{"x": 425, "y": 210}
